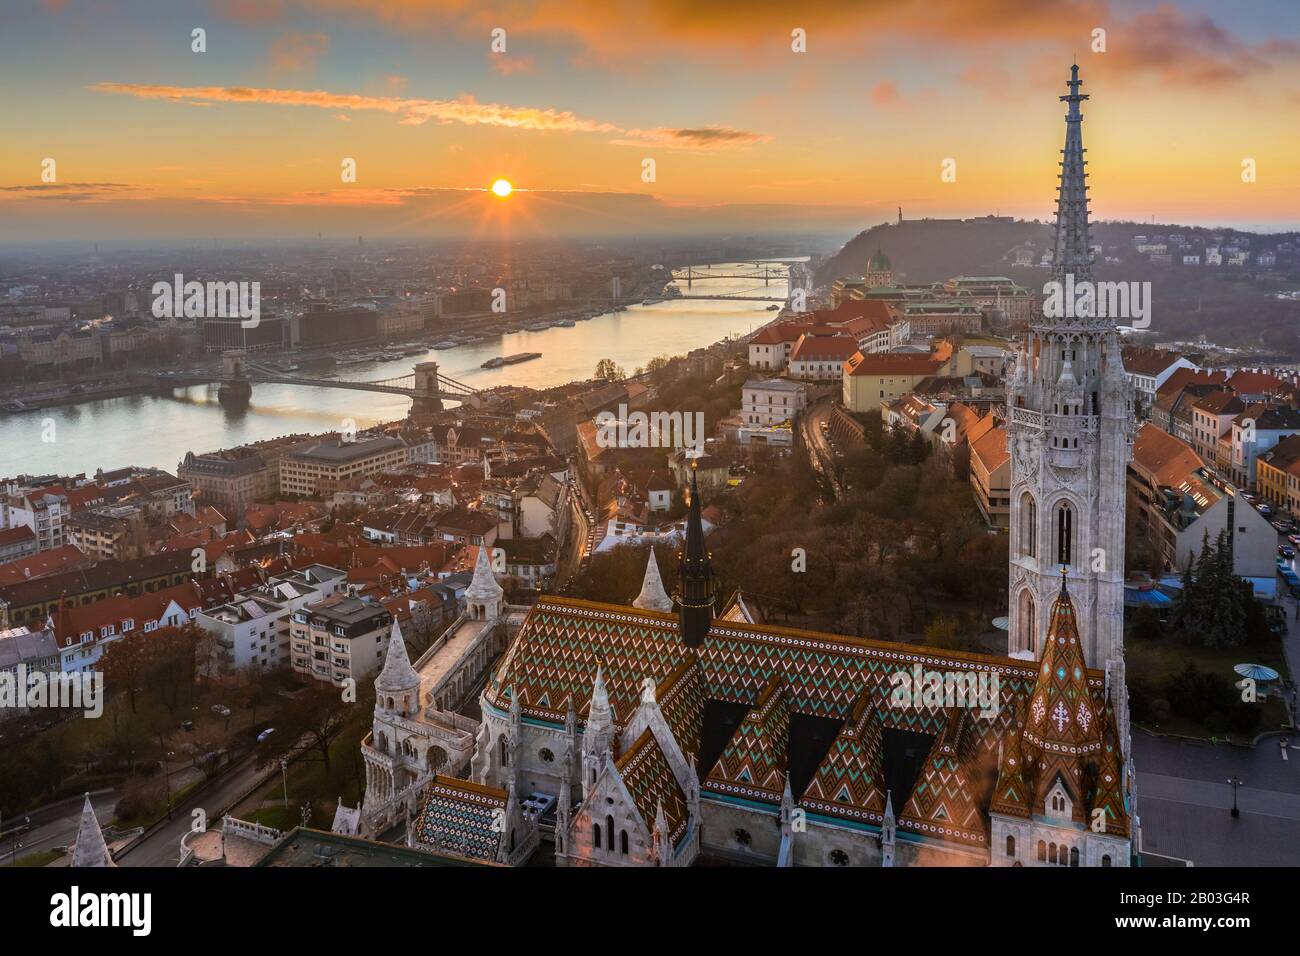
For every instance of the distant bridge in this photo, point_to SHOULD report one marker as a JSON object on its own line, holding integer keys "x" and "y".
{"x": 760, "y": 271}
{"x": 425, "y": 386}
{"x": 726, "y": 298}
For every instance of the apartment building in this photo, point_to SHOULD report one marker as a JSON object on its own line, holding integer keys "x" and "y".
{"x": 231, "y": 480}
{"x": 990, "y": 477}
{"x": 771, "y": 401}
{"x": 1255, "y": 431}
{"x": 338, "y": 639}
{"x": 1176, "y": 504}
{"x": 1277, "y": 475}
{"x": 328, "y": 466}
{"x": 869, "y": 379}
{"x": 17, "y": 543}
{"x": 108, "y": 533}
{"x": 41, "y": 510}
{"x": 1212, "y": 415}
{"x": 252, "y": 630}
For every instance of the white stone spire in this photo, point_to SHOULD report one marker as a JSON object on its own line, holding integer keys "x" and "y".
{"x": 887, "y": 836}
{"x": 484, "y": 597}
{"x": 653, "y": 597}
{"x": 90, "y": 848}
{"x": 660, "y": 837}
{"x": 398, "y": 676}
{"x": 599, "y": 713}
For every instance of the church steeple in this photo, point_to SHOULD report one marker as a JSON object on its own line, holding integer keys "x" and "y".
{"x": 695, "y": 595}
{"x": 1071, "y": 254}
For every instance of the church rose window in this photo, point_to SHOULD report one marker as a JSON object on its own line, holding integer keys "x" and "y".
{"x": 839, "y": 858}
{"x": 546, "y": 755}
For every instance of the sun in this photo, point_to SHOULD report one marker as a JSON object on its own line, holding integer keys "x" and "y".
{"x": 502, "y": 188}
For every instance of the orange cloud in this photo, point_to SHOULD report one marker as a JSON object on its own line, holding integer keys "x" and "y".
{"x": 701, "y": 137}
{"x": 464, "y": 110}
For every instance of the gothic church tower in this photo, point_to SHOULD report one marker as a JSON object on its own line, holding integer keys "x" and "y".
{"x": 1070, "y": 434}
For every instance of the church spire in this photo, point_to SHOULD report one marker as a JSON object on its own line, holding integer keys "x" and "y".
{"x": 1072, "y": 255}
{"x": 653, "y": 597}
{"x": 695, "y": 575}
{"x": 90, "y": 848}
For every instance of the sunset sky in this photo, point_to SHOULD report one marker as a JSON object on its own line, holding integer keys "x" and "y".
{"x": 152, "y": 140}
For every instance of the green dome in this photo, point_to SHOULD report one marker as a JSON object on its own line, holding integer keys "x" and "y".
{"x": 879, "y": 262}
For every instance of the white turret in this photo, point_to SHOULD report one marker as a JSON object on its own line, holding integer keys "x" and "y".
{"x": 653, "y": 597}
{"x": 397, "y": 688}
{"x": 90, "y": 848}
{"x": 484, "y": 598}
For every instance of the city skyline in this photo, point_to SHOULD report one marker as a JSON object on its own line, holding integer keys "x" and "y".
{"x": 249, "y": 138}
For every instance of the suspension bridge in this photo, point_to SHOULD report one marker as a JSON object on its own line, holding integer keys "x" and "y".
{"x": 425, "y": 386}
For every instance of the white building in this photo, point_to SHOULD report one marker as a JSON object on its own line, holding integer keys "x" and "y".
{"x": 771, "y": 401}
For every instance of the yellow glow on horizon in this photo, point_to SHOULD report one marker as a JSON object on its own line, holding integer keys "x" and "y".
{"x": 502, "y": 188}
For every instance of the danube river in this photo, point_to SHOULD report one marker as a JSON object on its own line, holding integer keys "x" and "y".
{"x": 152, "y": 431}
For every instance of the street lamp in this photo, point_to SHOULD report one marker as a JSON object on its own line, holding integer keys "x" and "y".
{"x": 1235, "y": 784}
{"x": 284, "y": 776}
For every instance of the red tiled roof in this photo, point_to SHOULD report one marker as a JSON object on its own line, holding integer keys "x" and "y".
{"x": 1255, "y": 383}
{"x": 830, "y": 348}
{"x": 884, "y": 363}
{"x": 53, "y": 561}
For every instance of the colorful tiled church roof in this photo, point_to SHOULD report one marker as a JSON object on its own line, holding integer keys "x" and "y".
{"x": 1011, "y": 794}
{"x": 944, "y": 801}
{"x": 1107, "y": 792}
{"x": 850, "y": 780}
{"x": 753, "y": 765}
{"x": 649, "y": 779}
{"x": 555, "y": 655}
{"x": 1062, "y": 725}
{"x": 681, "y": 699}
{"x": 462, "y": 818}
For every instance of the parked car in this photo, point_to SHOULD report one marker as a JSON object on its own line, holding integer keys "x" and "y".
{"x": 187, "y": 725}
{"x": 221, "y": 710}
{"x": 1294, "y": 539}
{"x": 262, "y": 737}
{"x": 1286, "y": 551}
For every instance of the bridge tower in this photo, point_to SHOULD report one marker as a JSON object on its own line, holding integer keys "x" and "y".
{"x": 237, "y": 389}
{"x": 428, "y": 397}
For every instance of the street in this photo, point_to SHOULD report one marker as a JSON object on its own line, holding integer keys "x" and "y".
{"x": 820, "y": 453}
{"x": 163, "y": 847}
{"x": 1184, "y": 800}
